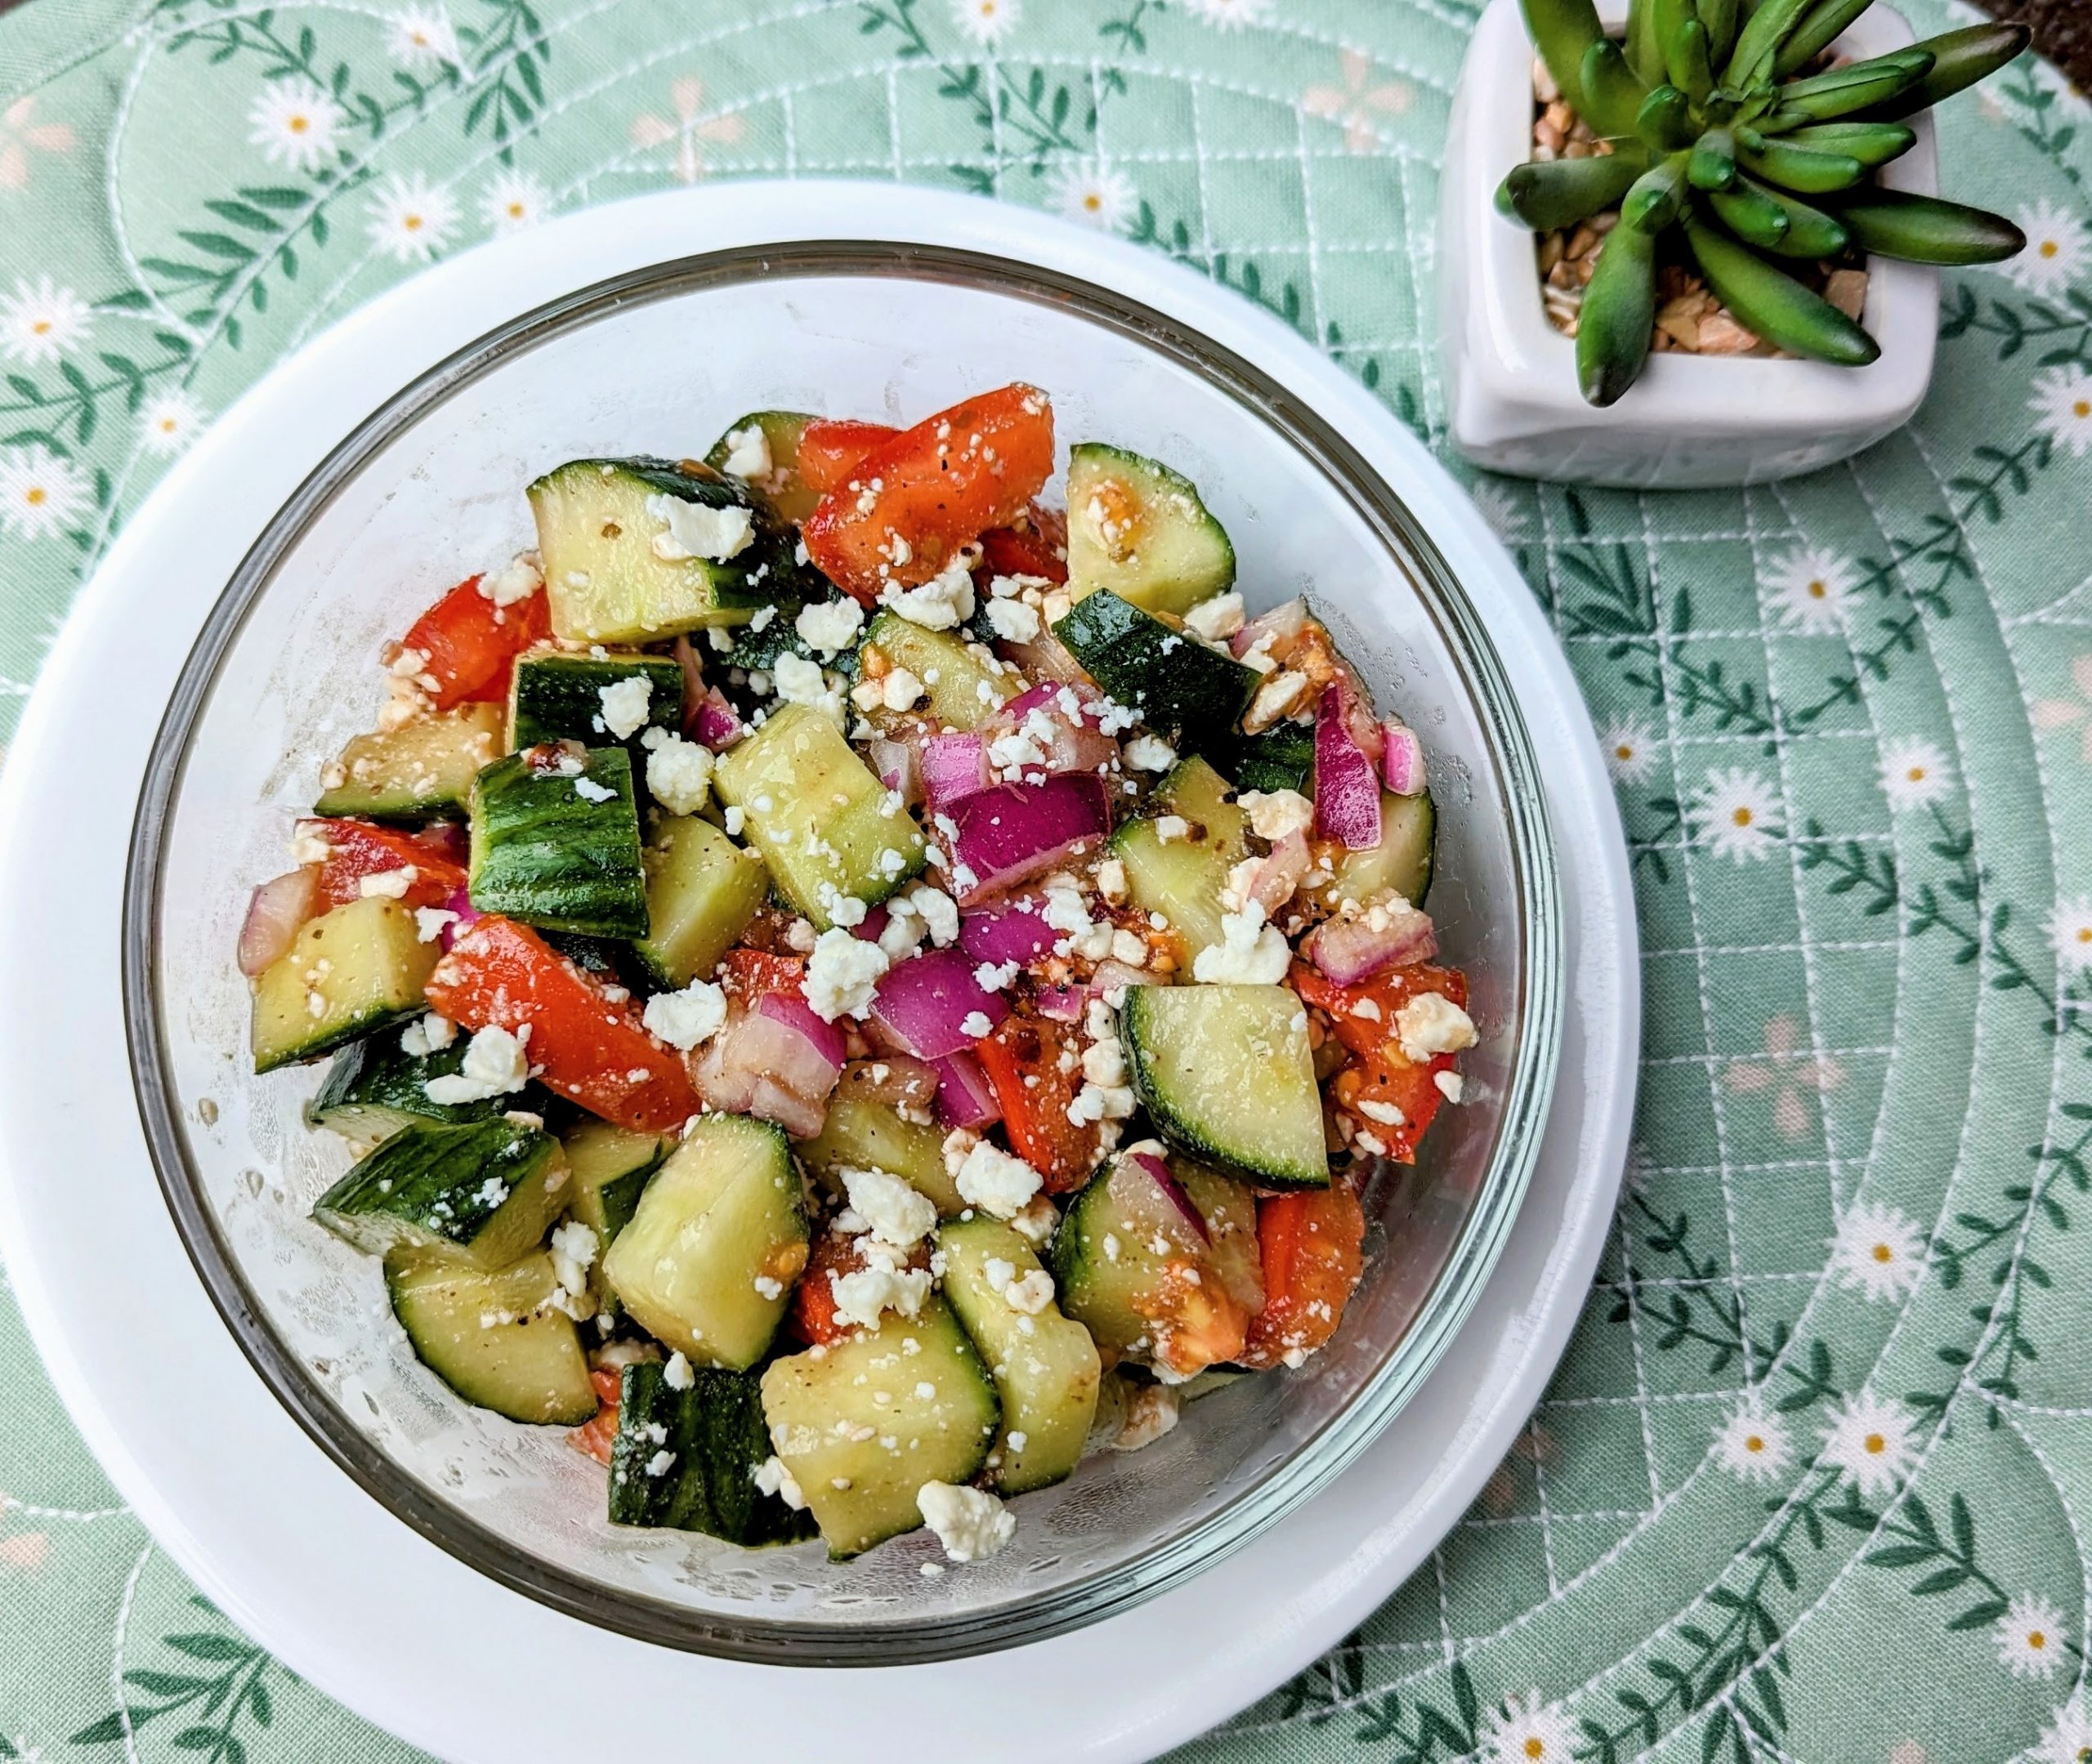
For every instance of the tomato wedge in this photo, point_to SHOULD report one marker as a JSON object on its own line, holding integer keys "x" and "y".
{"x": 586, "y": 1041}
{"x": 1377, "y": 1071}
{"x": 914, "y": 500}
{"x": 594, "y": 1436}
{"x": 1022, "y": 1059}
{"x": 357, "y": 848}
{"x": 469, "y": 645}
{"x": 746, "y": 975}
{"x": 1038, "y": 548}
{"x": 830, "y": 447}
{"x": 1312, "y": 1247}
{"x": 812, "y": 1317}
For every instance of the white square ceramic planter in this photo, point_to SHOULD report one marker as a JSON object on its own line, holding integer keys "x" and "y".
{"x": 1689, "y": 420}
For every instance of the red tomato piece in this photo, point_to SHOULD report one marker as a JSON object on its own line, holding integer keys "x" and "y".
{"x": 469, "y": 645}
{"x": 939, "y": 485}
{"x": 1312, "y": 1249}
{"x": 357, "y": 848}
{"x": 1038, "y": 548}
{"x": 746, "y": 975}
{"x": 594, "y": 1436}
{"x": 587, "y": 1042}
{"x": 831, "y": 447}
{"x": 1377, "y": 1070}
{"x": 1025, "y": 1048}
{"x": 813, "y": 1316}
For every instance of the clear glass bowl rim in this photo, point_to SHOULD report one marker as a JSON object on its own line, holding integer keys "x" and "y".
{"x": 1170, "y": 1561}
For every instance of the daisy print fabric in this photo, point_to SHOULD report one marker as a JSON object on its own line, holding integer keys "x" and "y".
{"x": 1811, "y": 1483}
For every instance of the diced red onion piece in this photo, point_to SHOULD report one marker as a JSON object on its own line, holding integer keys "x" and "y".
{"x": 954, "y": 768}
{"x": 899, "y": 767}
{"x": 898, "y": 1080}
{"x": 1047, "y": 658}
{"x": 1349, "y": 951}
{"x": 1075, "y": 743}
{"x": 1063, "y": 1004}
{"x": 769, "y": 1064}
{"x": 793, "y": 1013}
{"x": 446, "y": 839}
{"x": 1159, "y": 1193}
{"x": 460, "y": 904}
{"x": 1282, "y": 621}
{"x": 1013, "y": 933}
{"x": 1402, "y": 759}
{"x": 965, "y": 1098}
{"x": 713, "y": 722}
{"x": 925, "y": 1004}
{"x": 275, "y": 912}
{"x": 1346, "y": 792}
{"x": 871, "y": 925}
{"x": 1008, "y": 835}
{"x": 1112, "y": 975}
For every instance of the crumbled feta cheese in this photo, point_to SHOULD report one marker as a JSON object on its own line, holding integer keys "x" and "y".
{"x": 843, "y": 973}
{"x": 748, "y": 452}
{"x": 944, "y": 600}
{"x": 1169, "y": 828}
{"x": 389, "y": 885}
{"x": 589, "y": 791}
{"x": 1149, "y": 754}
{"x": 1385, "y": 1113}
{"x": 1013, "y": 621}
{"x": 830, "y": 625}
{"x": 1451, "y": 1085}
{"x": 659, "y": 1463}
{"x": 801, "y": 681}
{"x": 429, "y": 922}
{"x": 996, "y": 1182}
{"x": 678, "y": 772}
{"x": 1432, "y": 1024}
{"x": 308, "y": 847}
{"x": 1151, "y": 1411}
{"x": 971, "y": 1524}
{"x": 426, "y": 1035}
{"x": 939, "y": 914}
{"x": 768, "y": 1286}
{"x": 736, "y": 817}
{"x": 517, "y": 579}
{"x": 684, "y": 1019}
{"x": 573, "y": 1246}
{"x": 677, "y": 1373}
{"x": 990, "y": 978}
{"x": 625, "y": 704}
{"x": 1216, "y": 619}
{"x": 1251, "y": 953}
{"x": 771, "y": 1477}
{"x": 697, "y": 530}
{"x": 1112, "y": 881}
{"x": 974, "y": 1025}
{"x": 1031, "y": 1294}
{"x": 799, "y": 936}
{"x": 884, "y": 1284}
{"x": 1368, "y": 1008}
{"x": 899, "y": 690}
{"x": 495, "y": 1064}
{"x": 1037, "y": 1221}
{"x": 893, "y": 1211}
{"x": 1274, "y": 814}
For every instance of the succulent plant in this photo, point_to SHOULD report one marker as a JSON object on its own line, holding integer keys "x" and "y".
{"x": 1716, "y": 127}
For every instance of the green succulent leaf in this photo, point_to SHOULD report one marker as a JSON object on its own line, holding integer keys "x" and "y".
{"x": 1696, "y": 72}
{"x": 1619, "y": 310}
{"x": 1809, "y": 232}
{"x": 1760, "y": 40}
{"x": 1892, "y": 223}
{"x": 1652, "y": 205}
{"x": 1713, "y": 163}
{"x": 1613, "y": 92}
{"x": 1664, "y": 120}
{"x": 1772, "y": 303}
{"x": 1821, "y": 26}
{"x": 1842, "y": 91}
{"x": 1752, "y": 215}
{"x": 1872, "y": 144}
{"x": 1645, "y": 52}
{"x": 1777, "y": 160}
{"x": 1960, "y": 58}
{"x": 1721, "y": 18}
{"x": 1554, "y": 193}
{"x": 1563, "y": 31}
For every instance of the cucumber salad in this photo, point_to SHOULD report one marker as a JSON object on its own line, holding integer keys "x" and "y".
{"x": 851, "y": 987}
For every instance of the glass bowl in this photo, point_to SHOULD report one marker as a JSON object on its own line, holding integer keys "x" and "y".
{"x": 428, "y": 489}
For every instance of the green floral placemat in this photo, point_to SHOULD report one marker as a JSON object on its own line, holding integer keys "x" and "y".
{"x": 1812, "y": 1481}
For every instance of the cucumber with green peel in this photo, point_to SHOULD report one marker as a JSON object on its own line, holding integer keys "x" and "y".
{"x": 1045, "y": 1366}
{"x": 862, "y": 1133}
{"x": 1281, "y": 757}
{"x": 555, "y": 842}
{"x": 702, "y": 890}
{"x": 375, "y": 1087}
{"x": 1182, "y": 878}
{"x": 496, "y": 1336}
{"x": 962, "y": 691}
{"x": 707, "y": 1260}
{"x": 1613, "y": 323}
{"x": 614, "y": 573}
{"x": 687, "y": 1459}
{"x": 1181, "y": 688}
{"x": 559, "y": 698}
{"x": 1894, "y": 223}
{"x": 863, "y": 1423}
{"x": 1775, "y": 305}
{"x": 1547, "y": 195}
{"x": 608, "y": 1170}
{"x": 828, "y": 829}
{"x": 1141, "y": 530}
{"x": 1960, "y": 58}
{"x": 483, "y": 1193}
{"x": 1402, "y": 861}
{"x": 1227, "y": 1075}
{"x": 347, "y": 973}
{"x": 777, "y": 484}
{"x": 417, "y": 772}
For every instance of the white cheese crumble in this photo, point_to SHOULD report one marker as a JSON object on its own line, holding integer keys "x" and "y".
{"x": 830, "y": 625}
{"x": 495, "y": 1064}
{"x": 1251, "y": 953}
{"x": 843, "y": 973}
{"x": 748, "y": 452}
{"x": 684, "y": 1019}
{"x": 659, "y": 1463}
{"x": 974, "y": 1025}
{"x": 996, "y": 1182}
{"x": 1149, "y": 754}
{"x": 429, "y": 922}
{"x": 969, "y": 1523}
{"x": 589, "y": 791}
{"x": 1274, "y": 814}
{"x": 1012, "y": 621}
{"x": 990, "y": 978}
{"x": 697, "y": 530}
{"x": 389, "y": 885}
{"x": 574, "y": 1246}
{"x": 1451, "y": 1085}
{"x": 892, "y": 1211}
{"x": 517, "y": 579}
{"x": 771, "y": 1477}
{"x": 625, "y": 704}
{"x": 884, "y": 1284}
{"x": 1112, "y": 881}
{"x": 1037, "y": 1221}
{"x": 426, "y": 1035}
{"x": 944, "y": 600}
{"x": 1432, "y": 1024}
{"x": 678, "y": 772}
{"x": 308, "y": 847}
{"x": 1169, "y": 828}
{"x": 1030, "y": 1294}
{"x": 898, "y": 690}
{"x": 1216, "y": 619}
{"x": 677, "y": 1373}
{"x": 801, "y": 681}
{"x": 1151, "y": 1411}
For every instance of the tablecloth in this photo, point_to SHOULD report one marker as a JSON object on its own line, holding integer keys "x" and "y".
{"x": 1813, "y": 1481}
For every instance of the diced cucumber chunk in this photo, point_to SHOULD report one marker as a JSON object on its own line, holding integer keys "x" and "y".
{"x": 828, "y": 829}
{"x": 496, "y": 1338}
{"x": 789, "y": 499}
{"x": 702, "y": 890}
{"x": 1402, "y": 860}
{"x": 863, "y": 1134}
{"x": 1138, "y": 528}
{"x": 1193, "y": 694}
{"x": 963, "y": 693}
{"x": 865, "y": 1423}
{"x": 610, "y": 1168}
{"x": 706, "y": 1263}
{"x": 687, "y": 1459}
{"x": 559, "y": 698}
{"x": 375, "y": 1087}
{"x": 481, "y": 1192}
{"x": 560, "y": 848}
{"x": 1182, "y": 878}
{"x": 604, "y": 580}
{"x": 1045, "y": 1367}
{"x": 415, "y": 772}
{"x": 1226, "y": 1074}
{"x": 348, "y": 972}
{"x": 1281, "y": 757}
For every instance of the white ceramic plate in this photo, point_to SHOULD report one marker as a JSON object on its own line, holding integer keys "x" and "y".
{"x": 321, "y": 1574}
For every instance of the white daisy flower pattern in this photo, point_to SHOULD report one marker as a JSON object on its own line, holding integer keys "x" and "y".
{"x": 1093, "y": 193}
{"x": 1811, "y": 591}
{"x": 422, "y": 39}
{"x": 40, "y": 323}
{"x": 513, "y": 201}
{"x": 169, "y": 422}
{"x": 2057, "y": 250}
{"x": 1629, "y": 747}
{"x": 1878, "y": 1251}
{"x": 40, "y": 494}
{"x": 986, "y": 23}
{"x": 2032, "y": 1637}
{"x": 1737, "y": 813}
{"x": 2051, "y": 714}
{"x": 1230, "y": 15}
{"x": 294, "y": 122}
{"x": 2069, "y": 930}
{"x": 2062, "y": 407}
{"x": 1753, "y": 1445}
{"x": 1870, "y": 1439}
{"x": 1525, "y": 1730}
{"x": 411, "y": 218}
{"x": 1915, "y": 773}
{"x": 2066, "y": 1737}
